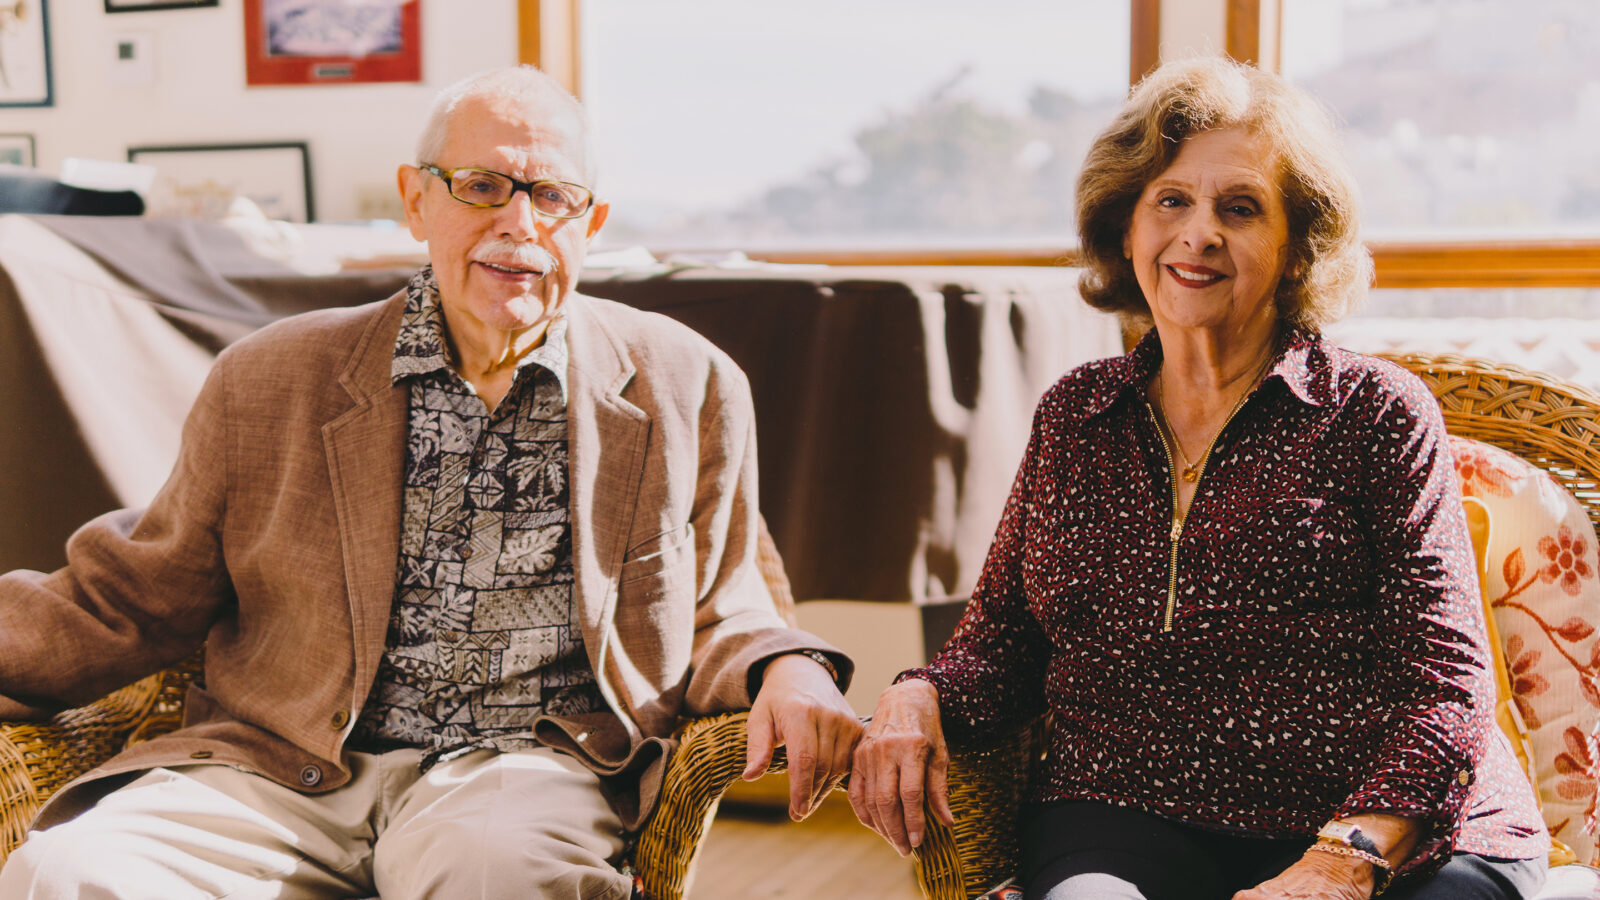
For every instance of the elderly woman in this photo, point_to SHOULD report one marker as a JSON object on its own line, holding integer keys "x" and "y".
{"x": 1234, "y": 567}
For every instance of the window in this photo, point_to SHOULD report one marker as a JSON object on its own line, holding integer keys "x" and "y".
{"x": 1461, "y": 117}
{"x": 1471, "y": 125}
{"x": 847, "y": 123}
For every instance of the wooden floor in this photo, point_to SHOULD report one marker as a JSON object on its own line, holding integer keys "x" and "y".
{"x": 755, "y": 853}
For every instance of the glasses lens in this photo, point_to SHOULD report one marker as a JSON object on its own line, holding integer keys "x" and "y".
{"x": 480, "y": 188}
{"x": 555, "y": 198}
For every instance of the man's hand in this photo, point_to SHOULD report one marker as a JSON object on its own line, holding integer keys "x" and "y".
{"x": 1317, "y": 876}
{"x": 800, "y": 709}
{"x": 902, "y": 760}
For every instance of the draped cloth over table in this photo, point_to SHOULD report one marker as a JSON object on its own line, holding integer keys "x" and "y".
{"x": 892, "y": 404}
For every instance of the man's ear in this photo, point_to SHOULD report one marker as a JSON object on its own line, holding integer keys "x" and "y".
{"x": 597, "y": 218}
{"x": 411, "y": 181}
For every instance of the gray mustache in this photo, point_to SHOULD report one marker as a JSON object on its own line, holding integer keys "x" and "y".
{"x": 509, "y": 253}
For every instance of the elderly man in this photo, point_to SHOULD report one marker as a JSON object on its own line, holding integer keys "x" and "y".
{"x": 459, "y": 559}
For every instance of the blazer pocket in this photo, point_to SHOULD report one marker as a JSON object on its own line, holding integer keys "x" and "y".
{"x": 652, "y": 555}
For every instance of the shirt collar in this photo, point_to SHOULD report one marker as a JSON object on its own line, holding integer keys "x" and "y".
{"x": 1301, "y": 364}
{"x": 420, "y": 348}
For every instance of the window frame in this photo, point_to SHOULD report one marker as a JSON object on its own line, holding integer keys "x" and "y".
{"x": 548, "y": 37}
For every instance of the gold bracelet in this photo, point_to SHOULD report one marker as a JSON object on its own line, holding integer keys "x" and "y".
{"x": 1381, "y": 877}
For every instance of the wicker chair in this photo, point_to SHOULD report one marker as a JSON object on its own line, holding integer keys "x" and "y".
{"x": 1552, "y": 424}
{"x": 37, "y": 758}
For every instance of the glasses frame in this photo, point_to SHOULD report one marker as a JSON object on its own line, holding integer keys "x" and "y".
{"x": 446, "y": 175}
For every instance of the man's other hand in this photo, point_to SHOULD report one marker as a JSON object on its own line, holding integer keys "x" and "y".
{"x": 800, "y": 709}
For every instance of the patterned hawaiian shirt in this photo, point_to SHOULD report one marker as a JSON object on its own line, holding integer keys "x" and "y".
{"x": 1309, "y": 644}
{"x": 484, "y": 634}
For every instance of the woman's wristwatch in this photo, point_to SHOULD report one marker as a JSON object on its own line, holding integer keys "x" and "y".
{"x": 1347, "y": 839}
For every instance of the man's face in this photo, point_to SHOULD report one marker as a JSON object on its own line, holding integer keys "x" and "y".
{"x": 505, "y": 268}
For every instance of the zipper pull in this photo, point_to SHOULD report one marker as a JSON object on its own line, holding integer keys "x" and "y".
{"x": 1177, "y": 529}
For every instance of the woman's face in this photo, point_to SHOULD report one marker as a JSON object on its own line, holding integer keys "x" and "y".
{"x": 1209, "y": 237}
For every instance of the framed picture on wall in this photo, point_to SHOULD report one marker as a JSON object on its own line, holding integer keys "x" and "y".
{"x": 17, "y": 150}
{"x": 202, "y": 180}
{"x": 120, "y": 6}
{"x": 24, "y": 53}
{"x": 332, "y": 41}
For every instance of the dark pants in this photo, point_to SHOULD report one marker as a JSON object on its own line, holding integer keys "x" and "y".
{"x": 1110, "y": 853}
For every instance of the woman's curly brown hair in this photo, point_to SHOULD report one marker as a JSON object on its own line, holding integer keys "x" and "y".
{"x": 1328, "y": 269}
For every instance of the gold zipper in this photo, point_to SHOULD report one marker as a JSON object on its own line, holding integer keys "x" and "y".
{"x": 1178, "y": 518}
{"x": 1177, "y": 523}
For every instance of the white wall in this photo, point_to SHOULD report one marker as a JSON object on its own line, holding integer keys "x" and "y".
{"x": 358, "y": 133}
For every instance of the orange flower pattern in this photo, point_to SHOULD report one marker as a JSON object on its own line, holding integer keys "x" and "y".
{"x": 1482, "y": 472}
{"x": 1580, "y": 776}
{"x": 1566, "y": 560}
{"x": 1525, "y": 682}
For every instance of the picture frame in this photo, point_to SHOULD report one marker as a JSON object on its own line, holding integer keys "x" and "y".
{"x": 18, "y": 150}
{"x": 25, "y": 77}
{"x": 332, "y": 41}
{"x": 125, "y": 6}
{"x": 201, "y": 180}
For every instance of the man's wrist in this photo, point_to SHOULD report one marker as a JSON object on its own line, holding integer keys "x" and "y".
{"x": 759, "y": 672}
{"x": 821, "y": 659}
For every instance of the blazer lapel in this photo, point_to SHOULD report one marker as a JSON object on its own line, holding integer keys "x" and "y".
{"x": 366, "y": 449}
{"x": 606, "y": 437}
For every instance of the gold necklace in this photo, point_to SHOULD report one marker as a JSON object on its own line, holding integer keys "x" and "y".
{"x": 1191, "y": 471}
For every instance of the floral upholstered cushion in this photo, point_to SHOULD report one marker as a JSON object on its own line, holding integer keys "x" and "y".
{"x": 1543, "y": 587}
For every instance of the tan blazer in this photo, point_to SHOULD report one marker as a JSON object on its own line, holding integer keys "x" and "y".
{"x": 275, "y": 541}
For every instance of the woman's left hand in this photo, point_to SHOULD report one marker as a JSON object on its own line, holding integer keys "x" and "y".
{"x": 1317, "y": 876}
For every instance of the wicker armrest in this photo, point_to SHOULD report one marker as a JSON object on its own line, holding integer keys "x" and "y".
{"x": 37, "y": 758}
{"x": 986, "y": 785}
{"x": 710, "y": 757}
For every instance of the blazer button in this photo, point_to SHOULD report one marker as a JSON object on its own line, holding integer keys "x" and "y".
{"x": 200, "y": 754}
{"x": 311, "y": 776}
{"x": 1463, "y": 778}
{"x": 339, "y": 719}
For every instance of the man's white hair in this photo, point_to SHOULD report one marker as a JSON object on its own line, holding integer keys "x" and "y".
{"x": 516, "y": 84}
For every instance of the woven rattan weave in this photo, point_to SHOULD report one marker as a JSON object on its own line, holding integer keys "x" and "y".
{"x": 1551, "y": 423}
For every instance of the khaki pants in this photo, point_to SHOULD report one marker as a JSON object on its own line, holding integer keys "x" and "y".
{"x": 484, "y": 825}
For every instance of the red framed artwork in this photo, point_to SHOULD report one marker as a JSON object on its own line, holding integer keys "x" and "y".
{"x": 332, "y": 41}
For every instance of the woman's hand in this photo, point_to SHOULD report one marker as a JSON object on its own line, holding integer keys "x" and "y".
{"x": 1323, "y": 874}
{"x": 1317, "y": 876}
{"x": 901, "y": 761}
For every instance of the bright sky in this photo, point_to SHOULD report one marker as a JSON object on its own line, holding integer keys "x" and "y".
{"x": 715, "y": 99}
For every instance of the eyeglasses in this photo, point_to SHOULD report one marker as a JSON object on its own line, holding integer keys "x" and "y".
{"x": 483, "y": 188}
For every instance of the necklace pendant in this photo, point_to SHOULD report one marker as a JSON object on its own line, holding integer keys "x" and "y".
{"x": 1191, "y": 474}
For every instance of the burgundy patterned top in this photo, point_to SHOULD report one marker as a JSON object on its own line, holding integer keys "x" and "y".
{"x": 1326, "y": 655}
